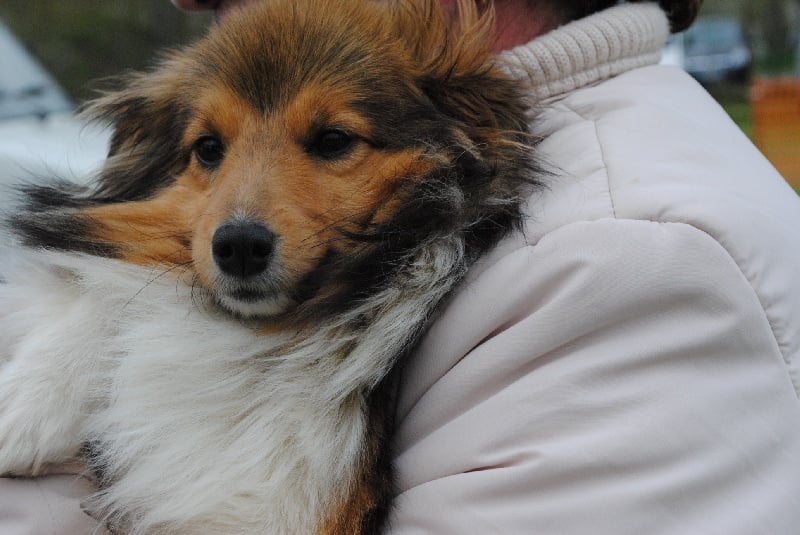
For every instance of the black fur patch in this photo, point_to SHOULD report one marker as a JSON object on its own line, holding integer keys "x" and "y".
{"x": 145, "y": 152}
{"x": 51, "y": 218}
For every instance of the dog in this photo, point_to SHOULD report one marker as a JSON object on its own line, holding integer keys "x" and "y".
{"x": 215, "y": 324}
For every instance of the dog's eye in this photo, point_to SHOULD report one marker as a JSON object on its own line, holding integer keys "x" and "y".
{"x": 209, "y": 151}
{"x": 330, "y": 144}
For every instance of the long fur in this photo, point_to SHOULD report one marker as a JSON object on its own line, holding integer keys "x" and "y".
{"x": 118, "y": 341}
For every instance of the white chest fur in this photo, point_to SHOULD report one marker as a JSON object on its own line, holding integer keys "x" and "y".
{"x": 200, "y": 420}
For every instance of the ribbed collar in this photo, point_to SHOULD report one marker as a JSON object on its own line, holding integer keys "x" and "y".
{"x": 591, "y": 49}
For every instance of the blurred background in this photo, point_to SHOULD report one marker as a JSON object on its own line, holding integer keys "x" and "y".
{"x": 746, "y": 52}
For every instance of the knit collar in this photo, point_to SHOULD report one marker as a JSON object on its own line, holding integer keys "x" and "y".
{"x": 591, "y": 49}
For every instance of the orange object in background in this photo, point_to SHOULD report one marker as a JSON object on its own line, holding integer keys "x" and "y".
{"x": 775, "y": 105}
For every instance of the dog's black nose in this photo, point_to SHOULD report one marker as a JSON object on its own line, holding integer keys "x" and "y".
{"x": 242, "y": 249}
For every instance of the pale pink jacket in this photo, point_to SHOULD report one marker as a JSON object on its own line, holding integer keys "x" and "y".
{"x": 629, "y": 365}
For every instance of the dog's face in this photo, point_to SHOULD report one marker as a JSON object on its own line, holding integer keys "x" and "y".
{"x": 289, "y": 151}
{"x": 279, "y": 191}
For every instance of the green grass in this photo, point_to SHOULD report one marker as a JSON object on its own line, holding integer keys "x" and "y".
{"x": 778, "y": 64}
{"x": 733, "y": 98}
{"x": 740, "y": 113}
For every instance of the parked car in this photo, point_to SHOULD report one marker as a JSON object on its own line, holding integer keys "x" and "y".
{"x": 716, "y": 50}
{"x": 40, "y": 137}
{"x": 674, "y": 51}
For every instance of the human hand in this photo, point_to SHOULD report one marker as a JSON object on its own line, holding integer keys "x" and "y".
{"x": 220, "y": 7}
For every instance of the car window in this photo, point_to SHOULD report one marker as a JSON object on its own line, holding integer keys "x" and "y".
{"x": 712, "y": 36}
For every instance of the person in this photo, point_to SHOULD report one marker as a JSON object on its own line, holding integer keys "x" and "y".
{"x": 628, "y": 364}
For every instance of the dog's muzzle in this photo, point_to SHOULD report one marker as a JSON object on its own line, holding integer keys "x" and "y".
{"x": 250, "y": 281}
{"x": 242, "y": 249}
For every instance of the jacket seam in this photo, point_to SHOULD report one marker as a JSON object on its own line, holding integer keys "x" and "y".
{"x": 605, "y": 168}
{"x": 794, "y": 376}
{"x": 785, "y": 358}
{"x": 762, "y": 304}
{"x": 563, "y": 106}
{"x": 46, "y": 501}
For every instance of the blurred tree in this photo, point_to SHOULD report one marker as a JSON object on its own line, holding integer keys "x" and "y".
{"x": 80, "y": 42}
{"x": 726, "y": 7}
{"x": 775, "y": 27}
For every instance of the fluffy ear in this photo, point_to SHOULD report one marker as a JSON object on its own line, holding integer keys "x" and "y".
{"x": 148, "y": 117}
{"x": 458, "y": 70}
{"x": 490, "y": 144}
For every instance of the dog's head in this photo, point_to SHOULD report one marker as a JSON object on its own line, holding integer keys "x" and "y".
{"x": 301, "y": 148}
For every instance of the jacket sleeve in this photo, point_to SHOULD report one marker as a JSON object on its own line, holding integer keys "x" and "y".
{"x": 617, "y": 377}
{"x": 45, "y": 505}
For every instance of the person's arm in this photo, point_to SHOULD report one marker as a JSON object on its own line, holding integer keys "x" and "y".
{"x": 195, "y": 5}
{"x": 45, "y": 505}
{"x": 220, "y": 7}
{"x": 618, "y": 377}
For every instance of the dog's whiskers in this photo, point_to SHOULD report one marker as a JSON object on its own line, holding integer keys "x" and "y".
{"x": 154, "y": 279}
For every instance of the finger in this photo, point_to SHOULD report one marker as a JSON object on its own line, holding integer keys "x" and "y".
{"x": 196, "y": 5}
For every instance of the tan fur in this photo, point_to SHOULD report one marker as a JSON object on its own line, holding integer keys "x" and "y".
{"x": 266, "y": 176}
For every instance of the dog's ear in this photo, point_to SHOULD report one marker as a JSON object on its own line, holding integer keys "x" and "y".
{"x": 458, "y": 70}
{"x": 488, "y": 139}
{"x": 148, "y": 116}
{"x": 465, "y": 81}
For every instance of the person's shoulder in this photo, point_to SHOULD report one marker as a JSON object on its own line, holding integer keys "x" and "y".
{"x": 650, "y": 144}
{"x": 601, "y": 327}
{"x": 662, "y": 252}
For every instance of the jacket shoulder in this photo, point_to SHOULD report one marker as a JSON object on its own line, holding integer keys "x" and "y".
{"x": 652, "y": 145}
{"x": 609, "y": 343}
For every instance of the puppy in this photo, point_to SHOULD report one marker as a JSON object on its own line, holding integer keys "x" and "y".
{"x": 213, "y": 323}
